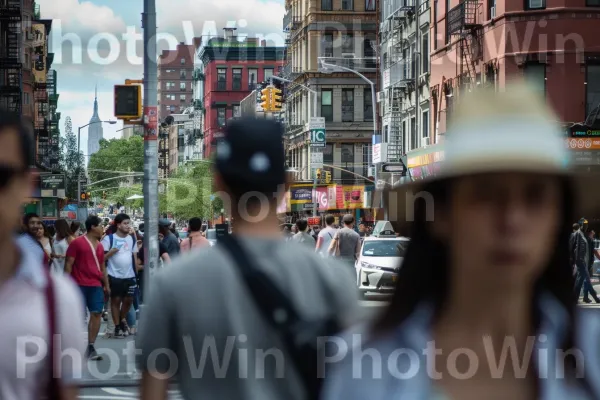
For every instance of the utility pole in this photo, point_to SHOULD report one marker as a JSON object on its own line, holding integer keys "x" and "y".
{"x": 150, "y": 121}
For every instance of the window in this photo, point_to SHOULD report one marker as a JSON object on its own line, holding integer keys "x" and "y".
{"x": 367, "y": 153}
{"x": 252, "y": 78}
{"x": 535, "y": 4}
{"x": 182, "y": 61}
{"x": 237, "y": 111}
{"x": 328, "y": 157}
{"x": 347, "y": 162}
{"x": 413, "y": 134}
{"x": 170, "y": 85}
{"x": 347, "y": 43}
{"x": 326, "y": 5}
{"x": 327, "y": 105}
{"x": 182, "y": 74}
{"x": 347, "y": 5}
{"x": 221, "y": 116}
{"x": 447, "y": 31}
{"x": 425, "y": 54}
{"x": 172, "y": 109}
{"x": 369, "y": 5}
{"x": 182, "y": 98}
{"x": 236, "y": 79}
{"x": 592, "y": 89}
{"x": 368, "y": 105}
{"x": 491, "y": 9}
{"x": 221, "y": 79}
{"x": 535, "y": 76}
{"x": 592, "y": 3}
{"x": 425, "y": 123}
{"x": 435, "y": 25}
{"x": 327, "y": 43}
{"x": 182, "y": 86}
{"x": 404, "y": 132}
{"x": 368, "y": 51}
{"x": 385, "y": 248}
{"x": 268, "y": 74}
{"x": 26, "y": 98}
{"x": 347, "y": 105}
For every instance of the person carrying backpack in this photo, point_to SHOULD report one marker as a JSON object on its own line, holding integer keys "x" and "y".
{"x": 121, "y": 252}
{"x": 254, "y": 292}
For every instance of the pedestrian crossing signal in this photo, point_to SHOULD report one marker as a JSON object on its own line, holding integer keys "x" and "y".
{"x": 128, "y": 102}
{"x": 82, "y": 196}
{"x": 327, "y": 176}
{"x": 266, "y": 99}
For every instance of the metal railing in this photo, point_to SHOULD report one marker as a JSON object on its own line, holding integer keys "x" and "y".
{"x": 368, "y": 64}
{"x": 393, "y": 7}
{"x": 400, "y": 73}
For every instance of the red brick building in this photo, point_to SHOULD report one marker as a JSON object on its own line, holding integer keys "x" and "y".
{"x": 175, "y": 84}
{"x": 231, "y": 70}
{"x": 552, "y": 44}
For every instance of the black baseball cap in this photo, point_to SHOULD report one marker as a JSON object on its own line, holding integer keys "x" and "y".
{"x": 250, "y": 157}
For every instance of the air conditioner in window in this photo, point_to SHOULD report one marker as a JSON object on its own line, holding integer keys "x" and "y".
{"x": 493, "y": 12}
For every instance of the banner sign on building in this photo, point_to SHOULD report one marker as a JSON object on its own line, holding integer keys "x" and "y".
{"x": 39, "y": 53}
{"x": 350, "y": 197}
{"x": 301, "y": 194}
{"x": 322, "y": 198}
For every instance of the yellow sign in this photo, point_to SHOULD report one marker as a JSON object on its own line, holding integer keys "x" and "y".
{"x": 350, "y": 197}
{"x": 40, "y": 52}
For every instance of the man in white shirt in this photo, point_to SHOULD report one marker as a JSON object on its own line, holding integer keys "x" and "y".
{"x": 326, "y": 235}
{"x": 121, "y": 253}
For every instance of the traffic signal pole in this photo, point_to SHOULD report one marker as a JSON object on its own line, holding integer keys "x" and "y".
{"x": 150, "y": 120}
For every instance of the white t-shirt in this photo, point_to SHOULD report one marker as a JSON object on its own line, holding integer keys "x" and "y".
{"x": 121, "y": 264}
{"x": 326, "y": 236}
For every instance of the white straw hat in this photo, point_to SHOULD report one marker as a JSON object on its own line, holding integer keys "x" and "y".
{"x": 510, "y": 131}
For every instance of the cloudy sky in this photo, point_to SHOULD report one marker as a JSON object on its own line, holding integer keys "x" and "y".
{"x": 99, "y": 42}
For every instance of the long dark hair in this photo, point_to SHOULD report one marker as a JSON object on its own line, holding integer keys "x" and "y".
{"x": 63, "y": 230}
{"x": 424, "y": 275}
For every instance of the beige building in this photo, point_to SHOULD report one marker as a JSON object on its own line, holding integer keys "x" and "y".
{"x": 342, "y": 35}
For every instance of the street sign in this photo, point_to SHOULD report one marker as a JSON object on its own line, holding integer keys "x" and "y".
{"x": 316, "y": 159}
{"x": 309, "y": 206}
{"x": 317, "y": 131}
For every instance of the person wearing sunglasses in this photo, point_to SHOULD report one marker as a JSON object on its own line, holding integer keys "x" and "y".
{"x": 27, "y": 288}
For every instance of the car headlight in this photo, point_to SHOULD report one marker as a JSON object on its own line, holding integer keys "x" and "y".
{"x": 367, "y": 265}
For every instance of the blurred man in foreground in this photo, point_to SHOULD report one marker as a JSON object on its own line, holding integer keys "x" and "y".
{"x": 208, "y": 303}
{"x": 32, "y": 303}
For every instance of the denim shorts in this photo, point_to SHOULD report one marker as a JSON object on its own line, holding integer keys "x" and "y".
{"x": 93, "y": 297}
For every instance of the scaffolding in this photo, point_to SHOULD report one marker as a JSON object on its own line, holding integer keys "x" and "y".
{"x": 10, "y": 55}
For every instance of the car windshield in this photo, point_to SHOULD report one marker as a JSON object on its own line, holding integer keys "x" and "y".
{"x": 385, "y": 248}
{"x": 211, "y": 234}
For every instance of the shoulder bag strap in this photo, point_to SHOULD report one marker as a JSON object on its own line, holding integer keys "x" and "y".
{"x": 93, "y": 253}
{"x": 53, "y": 389}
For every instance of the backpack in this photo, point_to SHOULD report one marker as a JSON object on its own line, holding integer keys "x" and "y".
{"x": 300, "y": 337}
{"x": 110, "y": 241}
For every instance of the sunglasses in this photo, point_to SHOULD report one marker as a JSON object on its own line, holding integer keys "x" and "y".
{"x": 7, "y": 174}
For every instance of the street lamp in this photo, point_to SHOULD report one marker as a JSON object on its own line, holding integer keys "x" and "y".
{"x": 328, "y": 68}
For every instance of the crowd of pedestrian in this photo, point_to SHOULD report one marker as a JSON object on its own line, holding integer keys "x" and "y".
{"x": 487, "y": 272}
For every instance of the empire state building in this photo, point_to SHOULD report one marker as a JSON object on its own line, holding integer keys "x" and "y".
{"x": 95, "y": 130}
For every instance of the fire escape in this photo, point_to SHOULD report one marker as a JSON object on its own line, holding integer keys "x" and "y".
{"x": 464, "y": 21}
{"x": 10, "y": 55}
{"x": 400, "y": 71}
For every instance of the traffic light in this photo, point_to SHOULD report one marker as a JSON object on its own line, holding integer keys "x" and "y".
{"x": 327, "y": 176}
{"x": 88, "y": 195}
{"x": 318, "y": 174}
{"x": 82, "y": 196}
{"x": 277, "y": 99}
{"x": 266, "y": 99}
{"x": 128, "y": 102}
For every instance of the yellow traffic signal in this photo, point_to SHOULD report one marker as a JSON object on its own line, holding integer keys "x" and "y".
{"x": 266, "y": 99}
{"x": 88, "y": 195}
{"x": 277, "y": 99}
{"x": 82, "y": 196}
{"x": 128, "y": 102}
{"x": 318, "y": 173}
{"x": 327, "y": 176}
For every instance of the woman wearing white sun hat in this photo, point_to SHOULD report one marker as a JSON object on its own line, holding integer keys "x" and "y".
{"x": 487, "y": 268}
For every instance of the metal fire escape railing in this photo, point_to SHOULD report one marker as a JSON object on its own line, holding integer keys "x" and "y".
{"x": 11, "y": 74}
{"x": 464, "y": 21}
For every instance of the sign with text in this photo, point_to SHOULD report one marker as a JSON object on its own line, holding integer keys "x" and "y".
{"x": 151, "y": 122}
{"x": 317, "y": 131}
{"x": 316, "y": 159}
{"x": 309, "y": 206}
{"x": 52, "y": 185}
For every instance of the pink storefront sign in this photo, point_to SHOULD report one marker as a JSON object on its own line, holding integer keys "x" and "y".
{"x": 321, "y": 197}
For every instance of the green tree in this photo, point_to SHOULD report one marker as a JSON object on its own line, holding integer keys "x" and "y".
{"x": 119, "y": 155}
{"x": 71, "y": 160}
{"x": 189, "y": 192}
